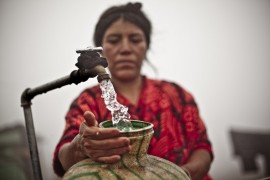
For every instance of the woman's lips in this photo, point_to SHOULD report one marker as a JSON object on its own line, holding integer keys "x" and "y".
{"x": 125, "y": 63}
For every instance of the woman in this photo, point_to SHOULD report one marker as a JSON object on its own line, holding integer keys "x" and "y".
{"x": 180, "y": 135}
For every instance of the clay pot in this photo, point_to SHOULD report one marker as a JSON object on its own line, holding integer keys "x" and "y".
{"x": 136, "y": 164}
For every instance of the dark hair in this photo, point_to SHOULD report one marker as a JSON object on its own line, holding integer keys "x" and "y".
{"x": 130, "y": 12}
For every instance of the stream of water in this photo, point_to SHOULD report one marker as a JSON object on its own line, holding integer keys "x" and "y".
{"x": 120, "y": 115}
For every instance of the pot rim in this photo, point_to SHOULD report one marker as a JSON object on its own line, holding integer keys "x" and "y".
{"x": 137, "y": 124}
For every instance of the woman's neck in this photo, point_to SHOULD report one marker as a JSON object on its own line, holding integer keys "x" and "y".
{"x": 130, "y": 90}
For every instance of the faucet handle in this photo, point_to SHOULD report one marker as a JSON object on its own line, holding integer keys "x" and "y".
{"x": 91, "y": 62}
{"x": 90, "y": 49}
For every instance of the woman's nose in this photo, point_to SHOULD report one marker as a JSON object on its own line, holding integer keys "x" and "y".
{"x": 125, "y": 46}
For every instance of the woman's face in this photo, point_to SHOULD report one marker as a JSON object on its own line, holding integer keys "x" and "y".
{"x": 124, "y": 46}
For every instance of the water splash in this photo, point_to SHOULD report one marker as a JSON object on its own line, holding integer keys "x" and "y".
{"x": 120, "y": 115}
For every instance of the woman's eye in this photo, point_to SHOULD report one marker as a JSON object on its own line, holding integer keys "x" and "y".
{"x": 136, "y": 39}
{"x": 113, "y": 39}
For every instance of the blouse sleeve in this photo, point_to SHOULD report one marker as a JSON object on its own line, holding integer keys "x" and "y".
{"x": 196, "y": 132}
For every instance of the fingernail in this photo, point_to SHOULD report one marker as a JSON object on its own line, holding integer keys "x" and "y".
{"x": 129, "y": 148}
{"x": 126, "y": 141}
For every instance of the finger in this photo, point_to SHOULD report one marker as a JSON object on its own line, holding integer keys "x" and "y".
{"x": 101, "y": 133}
{"x": 107, "y": 144}
{"x": 80, "y": 146}
{"x": 90, "y": 119}
{"x": 110, "y": 159}
{"x": 97, "y": 154}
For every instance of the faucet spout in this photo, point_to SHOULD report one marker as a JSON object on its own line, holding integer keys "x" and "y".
{"x": 101, "y": 73}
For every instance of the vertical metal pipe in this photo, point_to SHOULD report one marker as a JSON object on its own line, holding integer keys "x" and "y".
{"x": 32, "y": 141}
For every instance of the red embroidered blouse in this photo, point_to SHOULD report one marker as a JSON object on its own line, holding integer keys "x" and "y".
{"x": 178, "y": 128}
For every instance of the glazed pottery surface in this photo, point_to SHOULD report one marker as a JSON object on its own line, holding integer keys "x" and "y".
{"x": 136, "y": 164}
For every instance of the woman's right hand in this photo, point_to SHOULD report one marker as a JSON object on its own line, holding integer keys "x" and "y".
{"x": 101, "y": 144}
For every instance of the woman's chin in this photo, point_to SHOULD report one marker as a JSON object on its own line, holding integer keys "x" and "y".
{"x": 126, "y": 76}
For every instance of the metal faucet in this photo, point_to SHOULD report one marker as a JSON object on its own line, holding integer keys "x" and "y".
{"x": 90, "y": 64}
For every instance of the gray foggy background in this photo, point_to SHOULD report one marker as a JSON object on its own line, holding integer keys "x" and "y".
{"x": 218, "y": 50}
